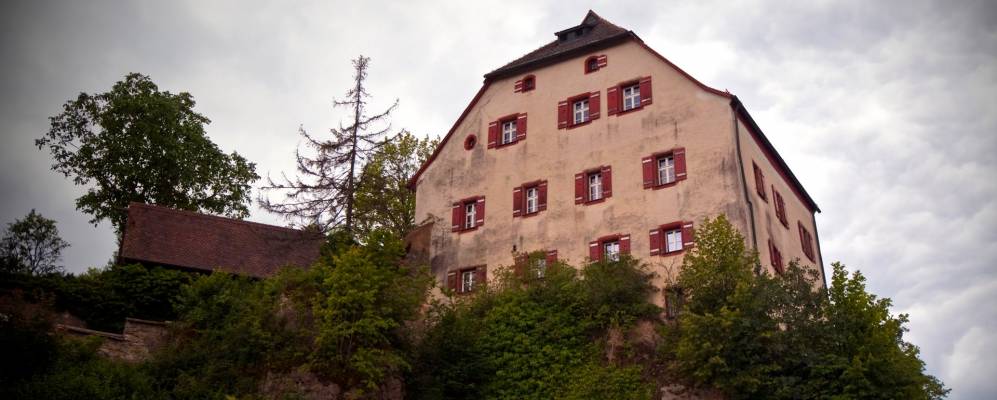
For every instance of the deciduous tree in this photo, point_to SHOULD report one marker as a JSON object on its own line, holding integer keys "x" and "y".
{"x": 383, "y": 199}
{"x": 32, "y": 245}
{"x": 136, "y": 143}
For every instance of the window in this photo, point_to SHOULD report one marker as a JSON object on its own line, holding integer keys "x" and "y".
{"x": 540, "y": 265}
{"x": 674, "y": 298}
{"x": 628, "y": 96}
{"x": 532, "y": 199}
{"x": 807, "y": 242}
{"x": 466, "y": 280}
{"x": 780, "y": 207}
{"x": 508, "y": 132}
{"x": 673, "y": 240}
{"x": 581, "y": 113}
{"x": 578, "y": 110}
{"x": 469, "y": 215}
{"x": 775, "y": 257}
{"x": 631, "y": 97}
{"x": 611, "y": 250}
{"x": 759, "y": 181}
{"x": 591, "y": 64}
{"x": 528, "y": 83}
{"x": 666, "y": 170}
{"x": 595, "y": 186}
{"x": 470, "y": 142}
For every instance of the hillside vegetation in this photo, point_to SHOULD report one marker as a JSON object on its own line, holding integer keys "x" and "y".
{"x": 361, "y": 320}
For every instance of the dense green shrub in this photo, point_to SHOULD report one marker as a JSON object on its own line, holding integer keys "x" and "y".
{"x": 528, "y": 338}
{"x": 103, "y": 298}
{"x": 754, "y": 335}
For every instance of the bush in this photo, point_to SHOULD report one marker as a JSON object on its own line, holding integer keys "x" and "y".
{"x": 528, "y": 338}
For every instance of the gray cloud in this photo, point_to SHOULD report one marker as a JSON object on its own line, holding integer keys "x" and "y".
{"x": 885, "y": 110}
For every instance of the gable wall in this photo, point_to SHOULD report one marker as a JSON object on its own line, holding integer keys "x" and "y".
{"x": 682, "y": 114}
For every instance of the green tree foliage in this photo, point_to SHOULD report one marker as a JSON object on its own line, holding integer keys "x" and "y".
{"x": 753, "y": 335}
{"x": 530, "y": 338}
{"x": 104, "y": 297}
{"x": 342, "y": 319}
{"x": 31, "y": 245}
{"x": 139, "y": 144}
{"x": 383, "y": 199}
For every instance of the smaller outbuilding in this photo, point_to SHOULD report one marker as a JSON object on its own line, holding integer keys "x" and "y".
{"x": 156, "y": 235}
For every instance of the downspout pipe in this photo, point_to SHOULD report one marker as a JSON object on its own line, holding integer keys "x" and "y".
{"x": 735, "y": 105}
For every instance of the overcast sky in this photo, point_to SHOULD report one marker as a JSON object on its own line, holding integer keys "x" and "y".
{"x": 886, "y": 111}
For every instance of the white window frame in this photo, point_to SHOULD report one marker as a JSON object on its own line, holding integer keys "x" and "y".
{"x": 509, "y": 132}
{"x": 666, "y": 169}
{"x": 611, "y": 250}
{"x": 540, "y": 264}
{"x": 581, "y": 111}
{"x": 467, "y": 280}
{"x": 595, "y": 186}
{"x": 673, "y": 240}
{"x": 470, "y": 212}
{"x": 532, "y": 199}
{"x": 631, "y": 97}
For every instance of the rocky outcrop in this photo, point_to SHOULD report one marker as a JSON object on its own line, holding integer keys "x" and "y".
{"x": 136, "y": 344}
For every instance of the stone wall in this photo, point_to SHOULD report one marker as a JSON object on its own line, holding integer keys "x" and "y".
{"x": 139, "y": 339}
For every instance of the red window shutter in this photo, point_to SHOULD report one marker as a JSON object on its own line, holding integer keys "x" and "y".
{"x": 775, "y": 201}
{"x": 551, "y": 256}
{"x": 521, "y": 127}
{"x": 607, "y": 181}
{"x": 518, "y": 87}
{"x": 457, "y": 212}
{"x": 580, "y": 188}
{"x": 645, "y": 91}
{"x": 654, "y": 237}
{"x": 480, "y": 212}
{"x": 595, "y": 250}
{"x": 519, "y": 266}
{"x": 452, "y": 281}
{"x": 517, "y": 201}
{"x": 771, "y": 253}
{"x": 480, "y": 276}
{"x": 625, "y": 244}
{"x": 688, "y": 235}
{"x": 680, "y": 172}
{"x": 562, "y": 114}
{"x": 803, "y": 240}
{"x": 603, "y": 61}
{"x": 493, "y": 131}
{"x": 647, "y": 164}
{"x": 542, "y": 196}
{"x": 612, "y": 101}
{"x": 594, "y": 106}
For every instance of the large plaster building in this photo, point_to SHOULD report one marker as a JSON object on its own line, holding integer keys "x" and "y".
{"x": 595, "y": 145}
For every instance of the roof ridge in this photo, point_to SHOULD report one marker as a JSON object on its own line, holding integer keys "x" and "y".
{"x": 166, "y": 209}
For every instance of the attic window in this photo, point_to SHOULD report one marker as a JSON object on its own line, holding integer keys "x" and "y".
{"x": 529, "y": 83}
{"x": 591, "y": 64}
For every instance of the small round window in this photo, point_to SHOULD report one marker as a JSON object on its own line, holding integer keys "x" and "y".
{"x": 470, "y": 142}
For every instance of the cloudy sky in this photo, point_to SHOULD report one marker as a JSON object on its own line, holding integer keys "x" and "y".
{"x": 885, "y": 110}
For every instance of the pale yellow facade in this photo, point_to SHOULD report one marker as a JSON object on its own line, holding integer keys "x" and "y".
{"x": 719, "y": 155}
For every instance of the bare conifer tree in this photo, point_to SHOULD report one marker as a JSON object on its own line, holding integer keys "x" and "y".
{"x": 322, "y": 195}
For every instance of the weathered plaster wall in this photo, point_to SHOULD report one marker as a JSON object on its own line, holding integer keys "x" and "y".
{"x": 682, "y": 115}
{"x": 767, "y": 224}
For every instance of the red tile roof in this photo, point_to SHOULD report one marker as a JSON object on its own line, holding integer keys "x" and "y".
{"x": 164, "y": 236}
